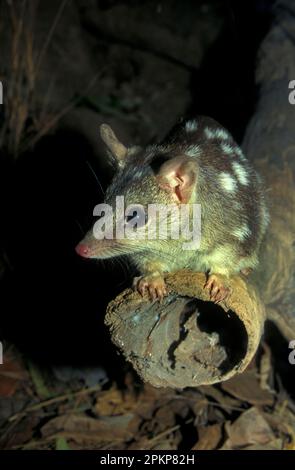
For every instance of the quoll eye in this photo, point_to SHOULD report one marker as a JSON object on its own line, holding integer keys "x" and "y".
{"x": 128, "y": 218}
{"x": 137, "y": 217}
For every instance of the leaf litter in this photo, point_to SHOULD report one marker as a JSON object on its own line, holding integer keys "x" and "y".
{"x": 251, "y": 411}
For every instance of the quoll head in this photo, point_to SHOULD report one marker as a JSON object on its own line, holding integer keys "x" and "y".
{"x": 157, "y": 174}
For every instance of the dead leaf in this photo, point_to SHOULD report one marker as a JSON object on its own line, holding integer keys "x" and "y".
{"x": 167, "y": 444}
{"x": 81, "y": 427}
{"x": 276, "y": 444}
{"x": 250, "y": 428}
{"x": 227, "y": 445}
{"x": 19, "y": 432}
{"x": 246, "y": 387}
{"x": 158, "y": 423}
{"x": 113, "y": 402}
{"x": 217, "y": 395}
{"x": 265, "y": 368}
{"x": 209, "y": 437}
{"x": 282, "y": 421}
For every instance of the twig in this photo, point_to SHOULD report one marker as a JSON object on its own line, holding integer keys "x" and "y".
{"x": 168, "y": 431}
{"x": 68, "y": 435}
{"x": 212, "y": 403}
{"x": 50, "y": 34}
{"x": 8, "y": 430}
{"x": 51, "y": 401}
{"x": 53, "y": 121}
{"x": 161, "y": 434}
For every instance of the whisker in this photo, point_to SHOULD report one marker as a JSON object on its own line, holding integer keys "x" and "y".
{"x": 80, "y": 227}
{"x": 95, "y": 176}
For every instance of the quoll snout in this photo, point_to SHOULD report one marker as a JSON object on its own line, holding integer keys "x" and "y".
{"x": 83, "y": 250}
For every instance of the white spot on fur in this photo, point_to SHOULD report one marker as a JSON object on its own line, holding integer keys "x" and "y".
{"x": 193, "y": 151}
{"x": 216, "y": 133}
{"x": 222, "y": 134}
{"x": 242, "y": 232}
{"x": 241, "y": 173}
{"x": 226, "y": 148}
{"x": 210, "y": 134}
{"x": 239, "y": 152}
{"x": 191, "y": 126}
{"x": 227, "y": 182}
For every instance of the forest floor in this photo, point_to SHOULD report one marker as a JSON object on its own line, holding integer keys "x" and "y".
{"x": 68, "y": 408}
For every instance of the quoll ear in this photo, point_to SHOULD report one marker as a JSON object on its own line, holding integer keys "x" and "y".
{"x": 179, "y": 175}
{"x": 118, "y": 150}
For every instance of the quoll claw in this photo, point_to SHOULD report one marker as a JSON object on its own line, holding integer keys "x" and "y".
{"x": 218, "y": 291}
{"x": 154, "y": 286}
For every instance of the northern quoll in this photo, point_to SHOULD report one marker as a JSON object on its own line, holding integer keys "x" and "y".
{"x": 198, "y": 163}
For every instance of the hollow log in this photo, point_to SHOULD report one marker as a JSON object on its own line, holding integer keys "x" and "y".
{"x": 187, "y": 340}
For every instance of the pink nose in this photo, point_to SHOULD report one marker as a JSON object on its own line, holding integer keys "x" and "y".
{"x": 82, "y": 250}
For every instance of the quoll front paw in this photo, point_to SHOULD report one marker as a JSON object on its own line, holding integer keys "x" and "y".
{"x": 217, "y": 288}
{"x": 153, "y": 284}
